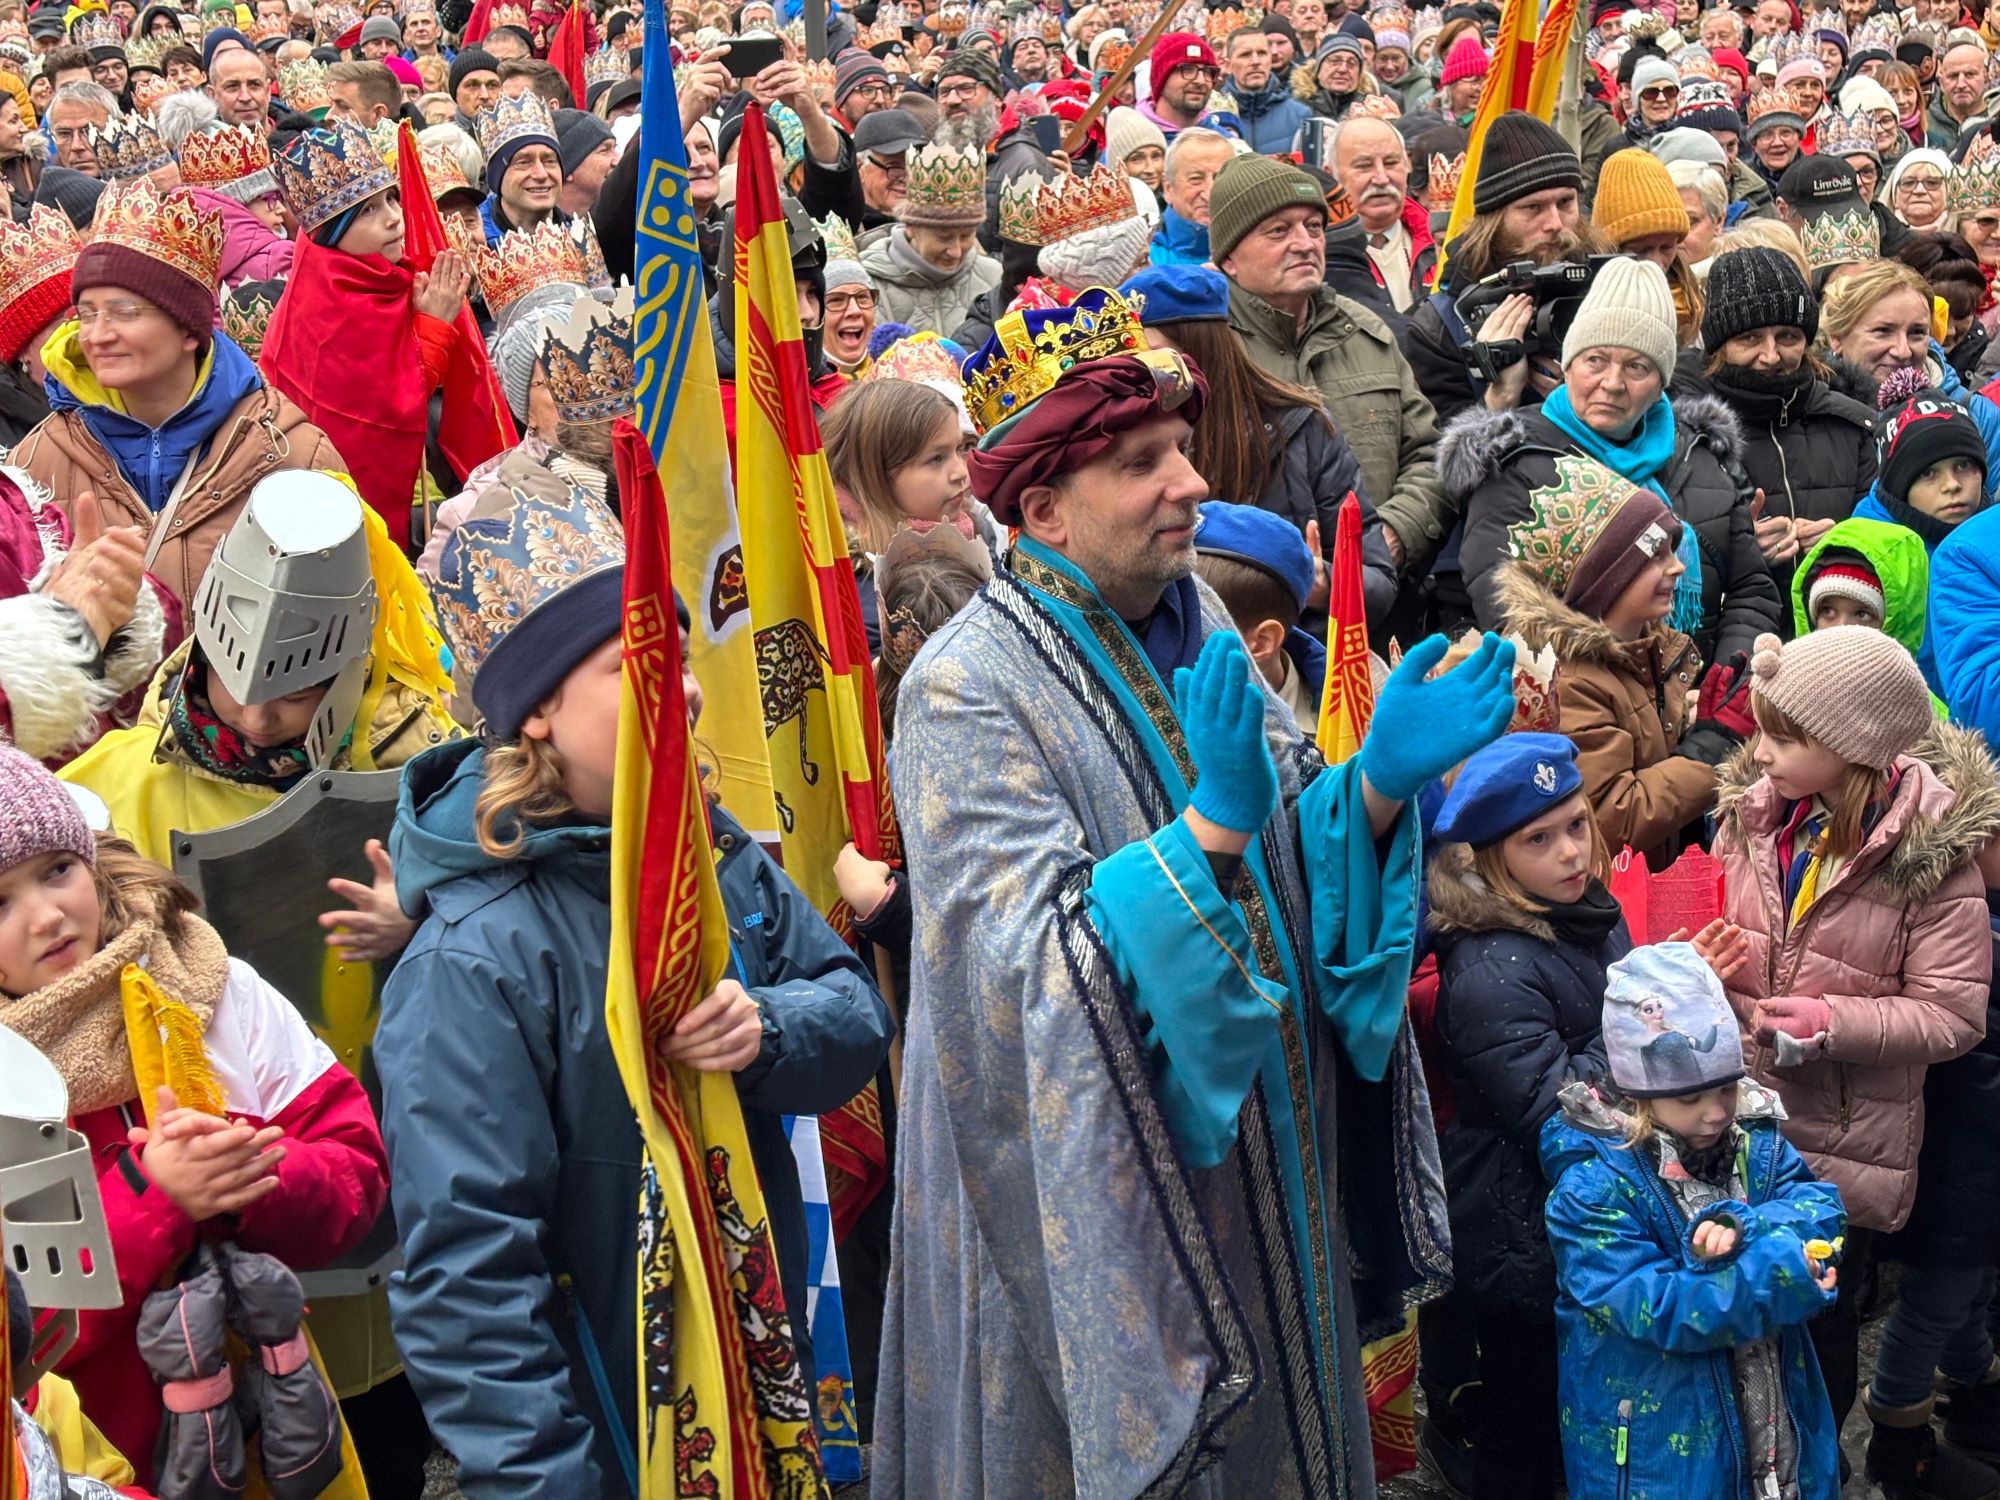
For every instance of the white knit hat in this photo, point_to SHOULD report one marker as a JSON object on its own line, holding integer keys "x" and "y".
{"x": 1628, "y": 306}
{"x": 1127, "y": 131}
{"x": 1858, "y": 94}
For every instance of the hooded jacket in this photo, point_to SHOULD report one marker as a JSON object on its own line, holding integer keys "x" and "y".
{"x": 250, "y": 251}
{"x": 235, "y": 429}
{"x": 1177, "y": 242}
{"x": 1965, "y": 638}
{"x": 1271, "y": 116}
{"x": 1519, "y": 1015}
{"x": 514, "y": 1153}
{"x": 1644, "y": 1331}
{"x": 1897, "y": 943}
{"x": 1349, "y": 356}
{"x": 1491, "y": 461}
{"x": 1895, "y": 554}
{"x": 910, "y": 290}
{"x": 1624, "y": 704}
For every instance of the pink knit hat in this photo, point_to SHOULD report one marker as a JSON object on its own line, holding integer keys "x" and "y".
{"x": 36, "y": 815}
{"x": 1854, "y": 689}
{"x": 1801, "y": 67}
{"x": 1467, "y": 59}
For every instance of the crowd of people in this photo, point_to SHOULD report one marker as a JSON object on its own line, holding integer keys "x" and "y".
{"x": 1165, "y": 366}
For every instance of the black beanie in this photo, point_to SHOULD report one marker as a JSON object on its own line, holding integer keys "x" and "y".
{"x": 1522, "y": 156}
{"x": 577, "y": 135}
{"x": 470, "y": 60}
{"x": 73, "y": 192}
{"x": 1926, "y": 429}
{"x": 1755, "y": 288}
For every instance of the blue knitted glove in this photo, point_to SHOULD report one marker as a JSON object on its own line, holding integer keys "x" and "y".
{"x": 1221, "y": 709}
{"x": 1422, "y": 729}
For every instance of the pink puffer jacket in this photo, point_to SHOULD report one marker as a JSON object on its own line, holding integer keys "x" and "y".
{"x": 250, "y": 251}
{"x": 1898, "y": 945}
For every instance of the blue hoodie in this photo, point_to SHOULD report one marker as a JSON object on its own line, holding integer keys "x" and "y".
{"x": 151, "y": 459}
{"x": 1271, "y": 116}
{"x": 514, "y": 1155}
{"x": 1177, "y": 242}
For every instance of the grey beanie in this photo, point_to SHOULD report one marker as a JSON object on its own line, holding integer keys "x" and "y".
{"x": 846, "y": 271}
{"x": 381, "y": 29}
{"x": 517, "y": 346}
{"x": 578, "y": 133}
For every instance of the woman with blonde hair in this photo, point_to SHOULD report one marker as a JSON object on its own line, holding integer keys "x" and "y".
{"x": 1764, "y": 234}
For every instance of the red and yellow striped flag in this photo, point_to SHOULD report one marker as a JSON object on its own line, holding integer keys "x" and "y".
{"x": 714, "y": 1341}
{"x": 1348, "y": 700}
{"x": 824, "y": 734}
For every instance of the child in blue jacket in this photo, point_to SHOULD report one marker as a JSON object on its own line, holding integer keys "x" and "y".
{"x": 1680, "y": 1221}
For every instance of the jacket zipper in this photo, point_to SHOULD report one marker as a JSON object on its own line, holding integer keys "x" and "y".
{"x": 1784, "y": 467}
{"x": 1624, "y": 1433}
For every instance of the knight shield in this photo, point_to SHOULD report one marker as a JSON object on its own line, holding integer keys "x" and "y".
{"x": 262, "y": 884}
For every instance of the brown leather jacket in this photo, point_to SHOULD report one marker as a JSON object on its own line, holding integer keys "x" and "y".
{"x": 262, "y": 433}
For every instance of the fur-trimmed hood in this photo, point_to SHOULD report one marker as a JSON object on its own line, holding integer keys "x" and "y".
{"x": 1477, "y": 443}
{"x": 1528, "y": 608}
{"x": 1850, "y": 380}
{"x": 1932, "y": 847}
{"x": 1461, "y": 903}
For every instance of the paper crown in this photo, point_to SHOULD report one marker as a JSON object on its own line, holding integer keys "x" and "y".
{"x": 246, "y": 315}
{"x": 442, "y": 173}
{"x": 1111, "y": 56}
{"x": 1841, "y": 238}
{"x": 1879, "y": 33}
{"x": 268, "y": 29}
{"x": 1375, "y": 107}
{"x": 496, "y": 570}
{"x": 214, "y": 158}
{"x": 302, "y": 87}
{"x": 1847, "y": 135}
{"x": 1427, "y": 22}
{"x": 1788, "y": 47}
{"x": 525, "y": 117}
{"x": 1564, "y": 518}
{"x": 525, "y": 260}
{"x": 952, "y": 18}
{"x": 1774, "y": 101}
{"x": 1825, "y": 20}
{"x": 604, "y": 66}
{"x": 386, "y": 137}
{"x": 1030, "y": 353}
{"x": 94, "y": 31}
{"x": 1219, "y": 23}
{"x": 169, "y": 227}
{"x": 588, "y": 357}
{"x": 336, "y": 21}
{"x": 919, "y": 356}
{"x": 1067, "y": 205}
{"x": 147, "y": 90}
{"x": 1441, "y": 190}
{"x": 1018, "y": 195}
{"x": 325, "y": 171}
{"x": 945, "y": 185}
{"x": 35, "y": 261}
{"x": 838, "y": 238}
{"x": 507, "y": 15}
{"x": 150, "y": 51}
{"x": 128, "y": 147}
{"x": 1974, "y": 184}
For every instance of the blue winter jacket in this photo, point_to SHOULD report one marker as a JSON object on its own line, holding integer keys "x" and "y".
{"x": 1964, "y": 622}
{"x": 152, "y": 459}
{"x": 1176, "y": 242}
{"x": 514, "y": 1156}
{"x": 1271, "y": 116}
{"x": 1644, "y": 1331}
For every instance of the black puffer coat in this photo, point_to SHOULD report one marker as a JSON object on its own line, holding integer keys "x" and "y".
{"x": 1490, "y": 461}
{"x": 1314, "y": 476}
{"x": 1519, "y": 1012}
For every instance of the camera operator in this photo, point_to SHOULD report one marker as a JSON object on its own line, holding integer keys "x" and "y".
{"x": 1526, "y": 206}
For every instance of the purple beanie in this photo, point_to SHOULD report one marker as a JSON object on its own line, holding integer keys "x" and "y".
{"x": 37, "y": 816}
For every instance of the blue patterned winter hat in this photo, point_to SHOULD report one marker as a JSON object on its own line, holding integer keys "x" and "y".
{"x": 1668, "y": 1028}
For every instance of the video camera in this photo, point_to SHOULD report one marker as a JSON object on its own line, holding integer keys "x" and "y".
{"x": 1557, "y": 291}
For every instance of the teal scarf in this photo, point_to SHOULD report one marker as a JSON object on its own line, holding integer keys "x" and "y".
{"x": 1641, "y": 458}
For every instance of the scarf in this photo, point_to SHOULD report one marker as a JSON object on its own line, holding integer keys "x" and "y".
{"x": 1641, "y": 457}
{"x": 907, "y": 259}
{"x": 221, "y": 751}
{"x": 1587, "y": 921}
{"x": 1761, "y": 397}
{"x": 1930, "y": 528}
{"x": 79, "y": 1021}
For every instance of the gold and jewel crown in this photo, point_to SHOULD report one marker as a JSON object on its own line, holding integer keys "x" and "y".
{"x": 149, "y": 51}
{"x": 128, "y": 147}
{"x": 1067, "y": 205}
{"x": 605, "y": 66}
{"x": 1846, "y": 135}
{"x": 525, "y": 260}
{"x": 1844, "y": 237}
{"x": 1441, "y": 191}
{"x": 169, "y": 227}
{"x": 32, "y": 255}
{"x": 512, "y": 118}
{"x": 210, "y": 159}
{"x": 442, "y": 173}
{"x": 246, "y": 317}
{"x": 303, "y": 87}
{"x": 1879, "y": 33}
{"x": 325, "y": 171}
{"x": 945, "y": 178}
{"x": 1564, "y": 518}
{"x": 838, "y": 237}
{"x": 96, "y": 29}
{"x": 1027, "y": 365}
{"x": 588, "y": 357}
{"x": 1974, "y": 184}
{"x": 336, "y": 21}
{"x": 1018, "y": 195}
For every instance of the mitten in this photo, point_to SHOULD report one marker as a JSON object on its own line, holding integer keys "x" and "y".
{"x": 1801, "y": 1017}
{"x": 181, "y": 1340}
{"x": 1421, "y": 729}
{"x": 298, "y": 1419}
{"x": 1708, "y": 742}
{"x": 1221, "y": 708}
{"x": 1725, "y": 697}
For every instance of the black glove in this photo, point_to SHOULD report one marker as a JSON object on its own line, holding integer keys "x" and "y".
{"x": 1709, "y": 742}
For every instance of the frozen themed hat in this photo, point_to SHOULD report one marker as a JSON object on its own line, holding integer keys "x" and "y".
{"x": 1506, "y": 786}
{"x": 1668, "y": 1028}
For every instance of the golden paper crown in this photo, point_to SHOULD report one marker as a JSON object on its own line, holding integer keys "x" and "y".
{"x": 1788, "y": 47}
{"x": 1842, "y": 238}
{"x": 1974, "y": 184}
{"x": 336, "y": 21}
{"x": 302, "y": 86}
{"x": 35, "y": 262}
{"x": 325, "y": 171}
{"x": 588, "y": 357}
{"x": 128, "y": 147}
{"x": 507, "y": 15}
{"x": 838, "y": 238}
{"x": 213, "y": 158}
{"x": 1052, "y": 28}
{"x": 526, "y": 260}
{"x": 944, "y": 184}
{"x": 952, "y": 18}
{"x": 1111, "y": 56}
{"x": 1374, "y": 107}
{"x": 94, "y": 29}
{"x": 1068, "y": 205}
{"x": 1222, "y": 22}
{"x": 1027, "y": 365}
{"x": 1879, "y": 33}
{"x": 268, "y": 29}
{"x": 604, "y": 66}
{"x": 168, "y": 227}
{"x": 246, "y": 317}
{"x": 442, "y": 172}
{"x": 148, "y": 51}
{"x": 1825, "y": 20}
{"x": 510, "y": 119}
{"x": 148, "y": 89}
{"x": 1779, "y": 100}
{"x": 1018, "y": 195}
{"x": 1442, "y": 189}
{"x": 1847, "y": 135}
{"x": 819, "y": 75}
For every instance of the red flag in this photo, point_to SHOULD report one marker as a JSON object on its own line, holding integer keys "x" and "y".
{"x": 566, "y": 50}
{"x": 1348, "y": 700}
{"x": 478, "y": 24}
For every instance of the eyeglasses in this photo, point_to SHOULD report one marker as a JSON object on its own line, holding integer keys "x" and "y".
{"x": 949, "y": 91}
{"x": 882, "y": 163}
{"x": 121, "y": 314}
{"x": 839, "y": 302}
{"x": 1918, "y": 184}
{"x": 872, "y": 90}
{"x": 1198, "y": 70}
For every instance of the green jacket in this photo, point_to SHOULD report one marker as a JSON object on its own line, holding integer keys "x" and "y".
{"x": 1349, "y": 356}
{"x": 1602, "y": 135}
{"x": 1752, "y": 191}
{"x": 1896, "y": 555}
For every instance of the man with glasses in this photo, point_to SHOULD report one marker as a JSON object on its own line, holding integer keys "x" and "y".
{"x": 882, "y": 144}
{"x": 1184, "y": 73}
{"x": 1655, "y": 99}
{"x": 76, "y": 113}
{"x": 860, "y": 87}
{"x": 968, "y": 96}
{"x": 1777, "y": 125}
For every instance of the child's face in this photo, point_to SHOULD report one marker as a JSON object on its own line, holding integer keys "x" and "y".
{"x": 1550, "y": 857}
{"x": 580, "y": 723}
{"x": 49, "y": 920}
{"x": 1699, "y": 1119}
{"x": 933, "y": 486}
{"x": 1797, "y": 768}
{"x": 1837, "y": 610}
{"x": 1948, "y": 491}
{"x": 281, "y": 721}
{"x": 377, "y": 228}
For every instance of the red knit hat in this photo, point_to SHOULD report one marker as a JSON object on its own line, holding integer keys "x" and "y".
{"x": 1170, "y": 52}
{"x": 1467, "y": 59}
{"x": 35, "y": 261}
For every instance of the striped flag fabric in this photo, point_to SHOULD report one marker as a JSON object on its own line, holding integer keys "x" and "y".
{"x": 1347, "y": 701}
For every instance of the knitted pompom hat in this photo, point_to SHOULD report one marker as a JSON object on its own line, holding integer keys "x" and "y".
{"x": 37, "y": 816}
{"x": 1851, "y": 687}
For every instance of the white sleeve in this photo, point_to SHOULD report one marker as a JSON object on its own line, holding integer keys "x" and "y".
{"x": 261, "y": 1049}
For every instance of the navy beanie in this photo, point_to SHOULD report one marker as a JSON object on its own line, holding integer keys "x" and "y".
{"x": 215, "y": 39}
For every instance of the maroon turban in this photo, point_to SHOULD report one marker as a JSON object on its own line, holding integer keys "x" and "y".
{"x": 1088, "y": 410}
